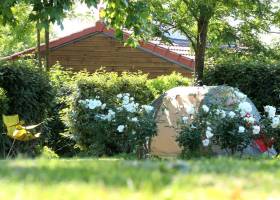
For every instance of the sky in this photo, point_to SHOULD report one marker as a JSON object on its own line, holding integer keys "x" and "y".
{"x": 87, "y": 17}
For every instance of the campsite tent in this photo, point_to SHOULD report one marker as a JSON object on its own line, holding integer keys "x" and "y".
{"x": 172, "y": 105}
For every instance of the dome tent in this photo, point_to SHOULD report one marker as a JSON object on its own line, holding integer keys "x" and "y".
{"x": 171, "y": 107}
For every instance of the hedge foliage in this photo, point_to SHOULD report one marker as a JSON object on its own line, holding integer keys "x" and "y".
{"x": 28, "y": 93}
{"x": 3, "y": 105}
{"x": 163, "y": 83}
{"x": 260, "y": 81}
{"x": 28, "y": 89}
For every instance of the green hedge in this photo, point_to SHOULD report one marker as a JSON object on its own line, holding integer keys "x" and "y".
{"x": 259, "y": 81}
{"x": 163, "y": 83}
{"x": 28, "y": 89}
{"x": 29, "y": 94}
{"x": 3, "y": 105}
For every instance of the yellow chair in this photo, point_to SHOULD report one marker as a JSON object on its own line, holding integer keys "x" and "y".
{"x": 17, "y": 131}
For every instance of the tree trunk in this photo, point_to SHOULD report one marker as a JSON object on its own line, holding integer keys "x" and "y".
{"x": 202, "y": 29}
{"x": 39, "y": 45}
{"x": 47, "y": 45}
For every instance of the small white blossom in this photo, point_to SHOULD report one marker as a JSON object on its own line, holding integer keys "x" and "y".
{"x": 185, "y": 119}
{"x": 270, "y": 110}
{"x": 240, "y": 95}
{"x": 205, "y": 142}
{"x": 92, "y": 104}
{"x": 256, "y": 129}
{"x": 241, "y": 129}
{"x": 275, "y": 122}
{"x": 205, "y": 108}
{"x": 148, "y": 108}
{"x": 250, "y": 120}
{"x": 244, "y": 108}
{"x": 119, "y": 96}
{"x": 231, "y": 114}
{"x": 190, "y": 110}
{"x": 133, "y": 132}
{"x": 134, "y": 119}
{"x": 130, "y": 107}
{"x": 221, "y": 113}
{"x": 103, "y": 106}
{"x": 209, "y": 133}
{"x": 120, "y": 128}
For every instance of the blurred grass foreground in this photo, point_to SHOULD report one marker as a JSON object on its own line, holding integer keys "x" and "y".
{"x": 216, "y": 178}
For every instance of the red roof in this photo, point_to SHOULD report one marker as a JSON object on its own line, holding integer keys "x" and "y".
{"x": 157, "y": 49}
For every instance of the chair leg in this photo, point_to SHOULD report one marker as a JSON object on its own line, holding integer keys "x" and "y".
{"x": 10, "y": 150}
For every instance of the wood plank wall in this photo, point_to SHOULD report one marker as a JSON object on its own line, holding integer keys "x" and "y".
{"x": 101, "y": 50}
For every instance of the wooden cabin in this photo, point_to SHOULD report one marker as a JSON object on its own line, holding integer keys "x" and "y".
{"x": 97, "y": 47}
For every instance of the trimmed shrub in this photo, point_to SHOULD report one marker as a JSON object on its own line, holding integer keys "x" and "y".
{"x": 258, "y": 80}
{"x": 28, "y": 89}
{"x": 163, "y": 83}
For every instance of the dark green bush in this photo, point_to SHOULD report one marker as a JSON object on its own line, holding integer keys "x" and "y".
{"x": 30, "y": 95}
{"x": 3, "y": 103}
{"x": 258, "y": 80}
{"x": 63, "y": 82}
{"x": 28, "y": 89}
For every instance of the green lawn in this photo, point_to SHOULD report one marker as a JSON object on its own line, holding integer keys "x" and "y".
{"x": 219, "y": 178}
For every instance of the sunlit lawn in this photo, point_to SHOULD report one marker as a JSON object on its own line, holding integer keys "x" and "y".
{"x": 219, "y": 178}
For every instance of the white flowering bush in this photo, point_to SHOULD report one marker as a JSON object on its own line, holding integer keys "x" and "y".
{"x": 207, "y": 128}
{"x": 271, "y": 124}
{"x": 120, "y": 125}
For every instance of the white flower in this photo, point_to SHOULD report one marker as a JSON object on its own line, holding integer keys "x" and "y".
{"x": 205, "y": 108}
{"x": 133, "y": 132}
{"x": 131, "y": 99}
{"x": 244, "y": 108}
{"x": 119, "y": 96}
{"x": 110, "y": 116}
{"x": 240, "y": 95}
{"x": 256, "y": 129}
{"x": 250, "y": 120}
{"x": 223, "y": 114}
{"x": 209, "y": 134}
{"x": 148, "y": 108}
{"x": 241, "y": 129}
{"x": 190, "y": 110}
{"x": 134, "y": 119}
{"x": 205, "y": 142}
{"x": 82, "y": 102}
{"x": 270, "y": 111}
{"x": 275, "y": 122}
{"x": 130, "y": 107}
{"x": 103, "y": 106}
{"x": 125, "y": 100}
{"x": 92, "y": 104}
{"x": 120, "y": 128}
{"x": 185, "y": 119}
{"x": 231, "y": 114}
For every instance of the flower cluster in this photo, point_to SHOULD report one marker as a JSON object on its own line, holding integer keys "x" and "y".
{"x": 229, "y": 129}
{"x": 123, "y": 121}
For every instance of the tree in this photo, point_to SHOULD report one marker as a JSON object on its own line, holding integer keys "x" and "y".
{"x": 17, "y": 34}
{"x": 203, "y": 22}
{"x": 45, "y": 13}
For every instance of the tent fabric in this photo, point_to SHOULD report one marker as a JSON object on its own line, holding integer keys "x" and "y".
{"x": 171, "y": 107}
